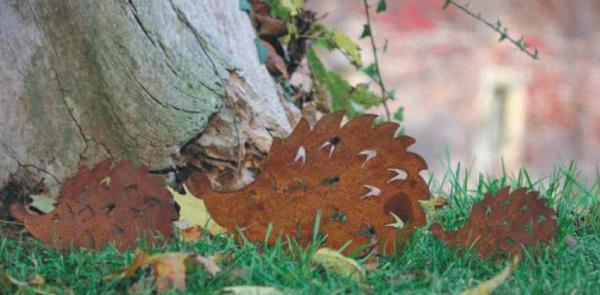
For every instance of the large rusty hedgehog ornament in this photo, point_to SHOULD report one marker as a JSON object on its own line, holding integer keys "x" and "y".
{"x": 106, "y": 204}
{"x": 504, "y": 223}
{"x": 361, "y": 178}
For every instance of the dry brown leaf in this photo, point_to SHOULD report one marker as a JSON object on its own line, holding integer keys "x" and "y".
{"x": 191, "y": 234}
{"x": 371, "y": 263}
{"x": 211, "y": 266}
{"x": 106, "y": 204}
{"x": 504, "y": 223}
{"x": 36, "y": 285}
{"x": 360, "y": 177}
{"x": 430, "y": 206}
{"x": 490, "y": 285}
{"x": 169, "y": 268}
{"x": 223, "y": 257}
{"x": 269, "y": 26}
{"x": 275, "y": 63}
{"x": 259, "y": 7}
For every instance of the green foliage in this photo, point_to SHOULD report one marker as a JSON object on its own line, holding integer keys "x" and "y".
{"x": 343, "y": 95}
{"x": 284, "y": 9}
{"x": 354, "y": 98}
{"x": 381, "y": 6}
{"x": 372, "y": 71}
{"x": 366, "y": 32}
{"x": 340, "y": 41}
{"x": 399, "y": 114}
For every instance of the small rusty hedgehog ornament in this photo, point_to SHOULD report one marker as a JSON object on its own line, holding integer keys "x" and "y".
{"x": 109, "y": 203}
{"x": 360, "y": 179}
{"x": 504, "y": 223}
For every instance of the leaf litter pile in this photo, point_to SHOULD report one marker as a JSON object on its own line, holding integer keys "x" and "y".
{"x": 353, "y": 185}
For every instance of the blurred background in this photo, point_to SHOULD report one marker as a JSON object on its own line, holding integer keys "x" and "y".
{"x": 473, "y": 100}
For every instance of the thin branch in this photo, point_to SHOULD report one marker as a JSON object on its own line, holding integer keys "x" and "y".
{"x": 503, "y": 31}
{"x": 379, "y": 81}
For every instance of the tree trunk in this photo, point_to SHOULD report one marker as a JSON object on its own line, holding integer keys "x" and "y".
{"x": 83, "y": 80}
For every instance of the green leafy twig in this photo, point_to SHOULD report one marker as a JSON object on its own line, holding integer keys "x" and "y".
{"x": 498, "y": 27}
{"x": 368, "y": 32}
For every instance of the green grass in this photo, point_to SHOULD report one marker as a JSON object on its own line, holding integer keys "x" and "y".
{"x": 425, "y": 266}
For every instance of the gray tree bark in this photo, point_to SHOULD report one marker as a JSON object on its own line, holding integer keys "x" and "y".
{"x": 83, "y": 80}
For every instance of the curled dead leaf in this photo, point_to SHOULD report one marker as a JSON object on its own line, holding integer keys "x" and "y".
{"x": 189, "y": 233}
{"x": 259, "y": 7}
{"x": 169, "y": 269}
{"x": 36, "y": 285}
{"x": 269, "y": 26}
{"x": 210, "y": 265}
{"x": 490, "y": 285}
{"x": 333, "y": 261}
{"x": 275, "y": 63}
{"x": 430, "y": 206}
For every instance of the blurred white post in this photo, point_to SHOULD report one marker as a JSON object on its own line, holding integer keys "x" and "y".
{"x": 501, "y": 108}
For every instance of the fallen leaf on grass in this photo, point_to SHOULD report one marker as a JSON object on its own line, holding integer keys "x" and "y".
{"x": 37, "y": 285}
{"x": 333, "y": 261}
{"x": 190, "y": 234}
{"x": 372, "y": 263}
{"x": 211, "y": 266}
{"x": 490, "y": 285}
{"x": 251, "y": 290}
{"x": 169, "y": 268}
{"x": 6, "y": 282}
{"x": 223, "y": 257}
{"x": 432, "y": 205}
{"x": 193, "y": 211}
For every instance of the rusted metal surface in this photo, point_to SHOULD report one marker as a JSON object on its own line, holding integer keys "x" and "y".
{"x": 504, "y": 223}
{"x": 106, "y": 204}
{"x": 359, "y": 177}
